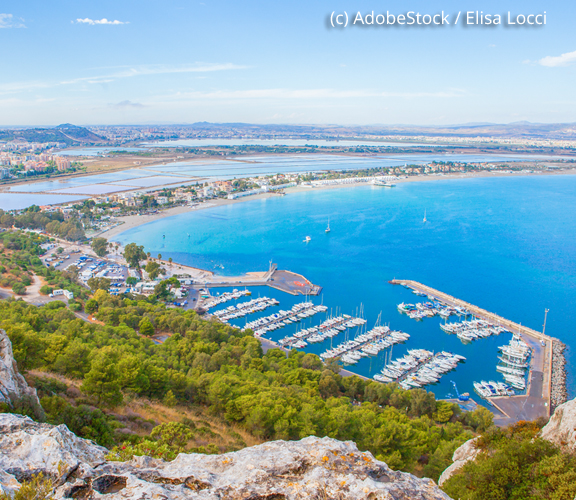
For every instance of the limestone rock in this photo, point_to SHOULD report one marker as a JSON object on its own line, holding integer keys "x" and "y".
{"x": 561, "y": 429}
{"x": 12, "y": 384}
{"x": 462, "y": 454}
{"x": 28, "y": 447}
{"x": 312, "y": 468}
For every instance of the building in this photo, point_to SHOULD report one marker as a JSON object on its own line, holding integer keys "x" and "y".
{"x": 62, "y": 163}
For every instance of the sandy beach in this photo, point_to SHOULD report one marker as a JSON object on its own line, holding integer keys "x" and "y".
{"x": 132, "y": 221}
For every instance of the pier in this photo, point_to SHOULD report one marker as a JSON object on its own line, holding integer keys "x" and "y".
{"x": 537, "y": 402}
{"x": 286, "y": 281}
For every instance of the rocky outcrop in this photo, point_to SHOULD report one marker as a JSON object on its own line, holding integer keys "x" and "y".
{"x": 12, "y": 385}
{"x": 463, "y": 454}
{"x": 561, "y": 429}
{"x": 312, "y": 468}
{"x": 28, "y": 447}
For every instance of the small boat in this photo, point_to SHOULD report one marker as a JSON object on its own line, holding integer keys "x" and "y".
{"x": 307, "y": 239}
{"x": 424, "y": 215}
{"x": 327, "y": 230}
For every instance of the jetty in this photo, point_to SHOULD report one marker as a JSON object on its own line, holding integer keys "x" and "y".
{"x": 543, "y": 391}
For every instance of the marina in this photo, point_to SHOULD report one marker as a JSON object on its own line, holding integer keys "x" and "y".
{"x": 536, "y": 401}
{"x": 357, "y": 217}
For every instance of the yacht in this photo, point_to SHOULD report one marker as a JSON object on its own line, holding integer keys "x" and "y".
{"x": 381, "y": 183}
{"x": 307, "y": 239}
{"x": 327, "y": 230}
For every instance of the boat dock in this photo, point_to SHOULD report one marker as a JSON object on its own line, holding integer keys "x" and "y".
{"x": 537, "y": 400}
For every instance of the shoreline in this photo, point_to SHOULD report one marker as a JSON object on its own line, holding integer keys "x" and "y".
{"x": 133, "y": 221}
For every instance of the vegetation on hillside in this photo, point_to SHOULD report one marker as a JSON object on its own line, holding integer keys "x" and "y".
{"x": 206, "y": 363}
{"x": 19, "y": 261}
{"x": 515, "y": 463}
{"x": 51, "y": 222}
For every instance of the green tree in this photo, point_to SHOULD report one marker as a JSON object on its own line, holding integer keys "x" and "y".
{"x": 91, "y": 306}
{"x": 99, "y": 284}
{"x": 145, "y": 327}
{"x": 169, "y": 400}
{"x": 134, "y": 254}
{"x": 18, "y": 288}
{"x": 100, "y": 245}
{"x": 153, "y": 269}
{"x": 102, "y": 380}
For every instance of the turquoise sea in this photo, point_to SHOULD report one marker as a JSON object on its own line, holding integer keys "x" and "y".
{"x": 506, "y": 244}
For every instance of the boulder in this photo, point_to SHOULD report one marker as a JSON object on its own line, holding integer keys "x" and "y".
{"x": 561, "y": 429}
{"x": 462, "y": 454}
{"x": 13, "y": 386}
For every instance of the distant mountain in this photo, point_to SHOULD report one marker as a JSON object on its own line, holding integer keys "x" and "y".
{"x": 518, "y": 130}
{"x": 67, "y": 133}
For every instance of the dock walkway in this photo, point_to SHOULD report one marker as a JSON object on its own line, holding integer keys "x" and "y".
{"x": 536, "y": 402}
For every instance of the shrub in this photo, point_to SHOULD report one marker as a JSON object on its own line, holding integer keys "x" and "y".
{"x": 19, "y": 288}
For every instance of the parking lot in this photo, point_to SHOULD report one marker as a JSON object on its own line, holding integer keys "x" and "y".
{"x": 88, "y": 267}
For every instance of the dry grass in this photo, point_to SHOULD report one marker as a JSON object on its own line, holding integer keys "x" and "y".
{"x": 140, "y": 415}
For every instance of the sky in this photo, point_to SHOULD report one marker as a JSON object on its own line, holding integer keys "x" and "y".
{"x": 255, "y": 61}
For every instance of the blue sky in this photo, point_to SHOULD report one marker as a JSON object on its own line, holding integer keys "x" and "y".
{"x": 181, "y": 61}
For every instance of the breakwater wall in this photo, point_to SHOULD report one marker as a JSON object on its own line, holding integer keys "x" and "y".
{"x": 558, "y": 393}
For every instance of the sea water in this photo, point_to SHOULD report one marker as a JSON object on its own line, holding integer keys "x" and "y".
{"x": 505, "y": 244}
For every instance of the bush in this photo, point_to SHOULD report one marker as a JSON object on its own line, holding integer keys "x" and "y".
{"x": 19, "y": 288}
{"x": 38, "y": 488}
{"x": 46, "y": 290}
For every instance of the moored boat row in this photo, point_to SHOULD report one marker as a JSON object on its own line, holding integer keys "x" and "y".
{"x": 327, "y": 329}
{"x": 419, "y": 368}
{"x": 366, "y": 344}
{"x": 298, "y": 312}
{"x": 226, "y": 297}
{"x": 467, "y": 331}
{"x": 245, "y": 308}
{"x": 492, "y": 389}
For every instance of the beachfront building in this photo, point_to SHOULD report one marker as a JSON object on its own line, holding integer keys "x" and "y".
{"x": 353, "y": 180}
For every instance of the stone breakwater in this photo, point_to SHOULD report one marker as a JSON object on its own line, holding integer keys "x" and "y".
{"x": 558, "y": 394}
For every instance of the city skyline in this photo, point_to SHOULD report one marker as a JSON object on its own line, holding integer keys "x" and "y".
{"x": 181, "y": 62}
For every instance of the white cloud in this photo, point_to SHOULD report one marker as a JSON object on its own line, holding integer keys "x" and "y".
{"x": 127, "y": 104}
{"x": 122, "y": 72}
{"x": 310, "y": 94}
{"x": 555, "y": 61}
{"x": 8, "y": 21}
{"x": 93, "y": 22}
{"x": 153, "y": 69}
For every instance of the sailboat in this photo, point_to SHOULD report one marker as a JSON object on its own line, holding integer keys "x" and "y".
{"x": 327, "y": 230}
{"x": 424, "y": 215}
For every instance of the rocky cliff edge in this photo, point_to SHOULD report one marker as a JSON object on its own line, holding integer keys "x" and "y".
{"x": 312, "y": 468}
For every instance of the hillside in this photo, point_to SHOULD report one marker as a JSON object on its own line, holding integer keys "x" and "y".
{"x": 72, "y": 135}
